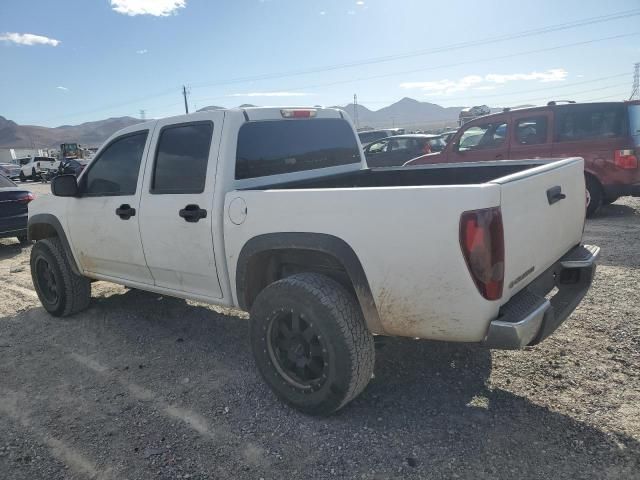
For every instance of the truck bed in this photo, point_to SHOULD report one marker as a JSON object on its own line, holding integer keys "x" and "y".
{"x": 439, "y": 174}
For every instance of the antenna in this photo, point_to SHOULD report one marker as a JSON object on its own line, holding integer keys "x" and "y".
{"x": 635, "y": 91}
{"x": 355, "y": 110}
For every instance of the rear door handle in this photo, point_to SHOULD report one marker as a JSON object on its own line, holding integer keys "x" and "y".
{"x": 554, "y": 194}
{"x": 192, "y": 213}
{"x": 125, "y": 211}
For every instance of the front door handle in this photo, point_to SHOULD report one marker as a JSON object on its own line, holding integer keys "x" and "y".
{"x": 192, "y": 213}
{"x": 125, "y": 211}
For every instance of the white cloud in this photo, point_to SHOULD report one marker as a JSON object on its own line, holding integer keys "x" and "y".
{"x": 28, "y": 39}
{"x": 553, "y": 75}
{"x": 445, "y": 86}
{"x": 157, "y": 8}
{"x": 64, "y": 89}
{"x": 271, "y": 94}
{"x": 488, "y": 82}
{"x": 142, "y": 52}
{"x": 323, "y": 13}
{"x": 359, "y": 2}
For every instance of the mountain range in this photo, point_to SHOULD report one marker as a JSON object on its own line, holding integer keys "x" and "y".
{"x": 407, "y": 113}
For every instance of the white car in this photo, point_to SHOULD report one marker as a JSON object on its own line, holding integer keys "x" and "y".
{"x": 35, "y": 167}
{"x": 274, "y": 211}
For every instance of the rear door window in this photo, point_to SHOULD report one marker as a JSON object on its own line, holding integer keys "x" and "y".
{"x": 181, "y": 158}
{"x": 582, "y": 122}
{"x": 531, "y": 131}
{"x": 273, "y": 147}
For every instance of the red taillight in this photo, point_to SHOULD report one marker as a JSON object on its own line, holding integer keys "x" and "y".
{"x": 298, "y": 113}
{"x": 625, "y": 159}
{"x": 26, "y": 198}
{"x": 482, "y": 243}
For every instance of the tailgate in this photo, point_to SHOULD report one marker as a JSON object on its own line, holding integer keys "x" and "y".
{"x": 543, "y": 211}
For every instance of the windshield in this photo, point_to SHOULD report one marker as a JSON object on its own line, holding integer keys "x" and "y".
{"x": 277, "y": 147}
{"x": 634, "y": 123}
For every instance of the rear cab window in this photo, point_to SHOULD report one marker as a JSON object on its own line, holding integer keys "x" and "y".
{"x": 274, "y": 147}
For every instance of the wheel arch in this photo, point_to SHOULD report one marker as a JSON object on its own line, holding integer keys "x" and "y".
{"x": 45, "y": 225}
{"x": 266, "y": 258}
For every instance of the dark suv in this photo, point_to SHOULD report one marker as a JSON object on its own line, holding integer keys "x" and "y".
{"x": 606, "y": 135}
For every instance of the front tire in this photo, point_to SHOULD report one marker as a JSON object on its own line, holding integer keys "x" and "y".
{"x": 310, "y": 343}
{"x": 60, "y": 291}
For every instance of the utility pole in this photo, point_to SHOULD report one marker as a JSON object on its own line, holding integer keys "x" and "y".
{"x": 635, "y": 91}
{"x": 184, "y": 94}
{"x": 355, "y": 110}
{"x": 143, "y": 115}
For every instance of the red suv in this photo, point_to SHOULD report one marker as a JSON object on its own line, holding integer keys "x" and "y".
{"x": 606, "y": 135}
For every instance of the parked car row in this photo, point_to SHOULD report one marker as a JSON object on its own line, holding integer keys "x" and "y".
{"x": 14, "y": 202}
{"x": 606, "y": 135}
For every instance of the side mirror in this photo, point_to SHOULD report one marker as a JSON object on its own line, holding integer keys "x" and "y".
{"x": 65, "y": 186}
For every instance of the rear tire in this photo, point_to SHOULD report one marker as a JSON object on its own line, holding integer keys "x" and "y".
{"x": 310, "y": 343}
{"x": 594, "y": 195}
{"x": 60, "y": 291}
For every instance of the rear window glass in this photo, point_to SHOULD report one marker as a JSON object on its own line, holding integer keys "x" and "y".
{"x": 634, "y": 123}
{"x": 531, "y": 131}
{"x": 182, "y": 157}
{"x": 580, "y": 122}
{"x": 284, "y": 146}
{"x": 5, "y": 182}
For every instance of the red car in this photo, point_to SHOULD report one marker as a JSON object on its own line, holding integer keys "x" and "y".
{"x": 606, "y": 135}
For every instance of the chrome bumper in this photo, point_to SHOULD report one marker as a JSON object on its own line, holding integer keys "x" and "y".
{"x": 530, "y": 316}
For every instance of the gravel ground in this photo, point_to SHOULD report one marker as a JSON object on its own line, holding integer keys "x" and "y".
{"x": 142, "y": 386}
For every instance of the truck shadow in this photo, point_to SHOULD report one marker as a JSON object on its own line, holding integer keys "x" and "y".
{"x": 10, "y": 247}
{"x": 427, "y": 413}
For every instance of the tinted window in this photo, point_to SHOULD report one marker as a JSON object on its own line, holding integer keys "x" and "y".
{"x": 634, "y": 123}
{"x": 479, "y": 137}
{"x": 531, "y": 131}
{"x": 285, "y": 146}
{"x": 115, "y": 171}
{"x": 181, "y": 158}
{"x": 578, "y": 122}
{"x": 378, "y": 147}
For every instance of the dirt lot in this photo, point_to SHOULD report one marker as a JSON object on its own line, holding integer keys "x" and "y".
{"x": 140, "y": 386}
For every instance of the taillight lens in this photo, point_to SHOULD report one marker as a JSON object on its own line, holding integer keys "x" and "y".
{"x": 625, "y": 159}
{"x": 482, "y": 243}
{"x": 26, "y": 198}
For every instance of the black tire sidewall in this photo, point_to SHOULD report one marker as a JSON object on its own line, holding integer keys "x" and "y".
{"x": 41, "y": 250}
{"x": 595, "y": 191}
{"x": 281, "y": 297}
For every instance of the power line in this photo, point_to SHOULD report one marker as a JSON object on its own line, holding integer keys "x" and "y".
{"x": 468, "y": 44}
{"x": 449, "y": 65}
{"x": 442, "y": 49}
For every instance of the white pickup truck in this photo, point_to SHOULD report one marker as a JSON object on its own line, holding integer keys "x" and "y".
{"x": 273, "y": 211}
{"x": 34, "y": 167}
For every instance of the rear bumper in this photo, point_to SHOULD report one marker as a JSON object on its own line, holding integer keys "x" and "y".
{"x": 615, "y": 191}
{"x": 13, "y": 226}
{"x": 532, "y": 315}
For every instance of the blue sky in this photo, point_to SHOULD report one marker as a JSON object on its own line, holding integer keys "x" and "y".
{"x": 70, "y": 61}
